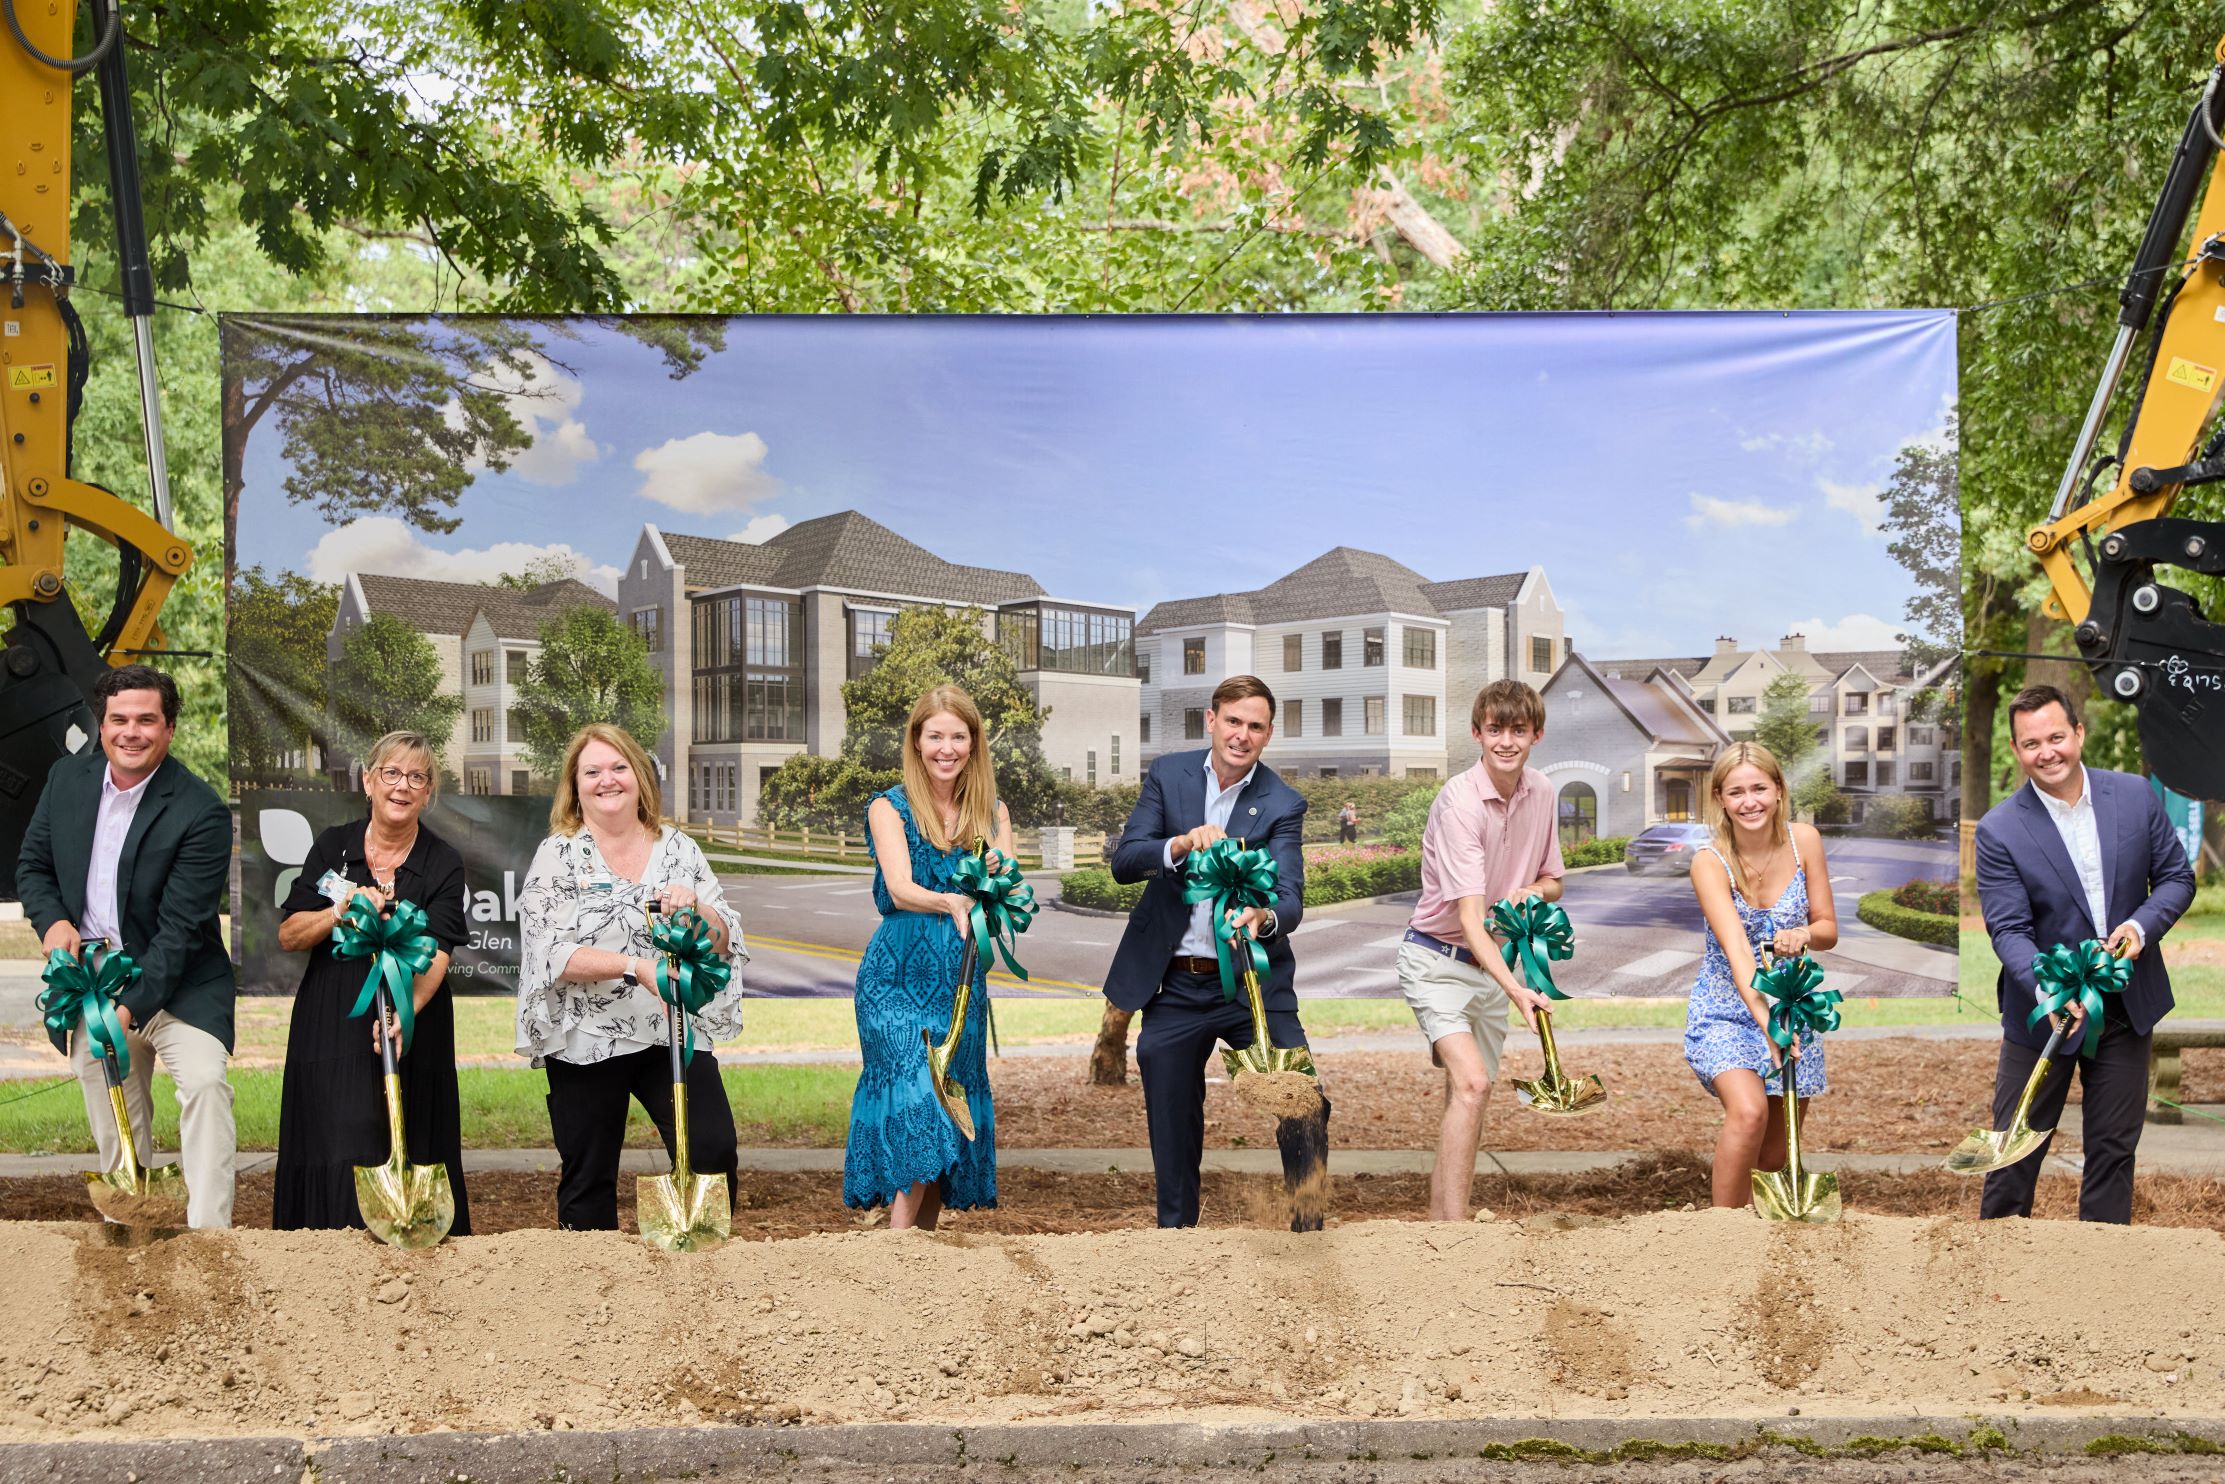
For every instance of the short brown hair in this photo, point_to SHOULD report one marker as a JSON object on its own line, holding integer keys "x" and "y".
{"x": 1507, "y": 703}
{"x": 564, "y": 815}
{"x": 1243, "y": 688}
{"x": 2038, "y": 698}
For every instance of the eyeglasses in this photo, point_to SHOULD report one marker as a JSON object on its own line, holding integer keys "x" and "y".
{"x": 393, "y": 777}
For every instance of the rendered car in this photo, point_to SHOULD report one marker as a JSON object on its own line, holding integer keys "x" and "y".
{"x": 1664, "y": 847}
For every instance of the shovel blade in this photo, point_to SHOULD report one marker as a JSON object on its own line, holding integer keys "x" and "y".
{"x": 1570, "y": 1097}
{"x": 1986, "y": 1150}
{"x": 405, "y": 1205}
{"x": 683, "y": 1214}
{"x": 1783, "y": 1195}
{"x": 948, "y": 1092}
{"x": 1279, "y": 1080}
{"x": 156, "y": 1199}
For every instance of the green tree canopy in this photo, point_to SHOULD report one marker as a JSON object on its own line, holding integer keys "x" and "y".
{"x": 276, "y": 691}
{"x": 928, "y": 647}
{"x": 590, "y": 668}
{"x": 388, "y": 680}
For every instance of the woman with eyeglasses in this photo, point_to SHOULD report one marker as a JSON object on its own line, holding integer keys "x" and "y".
{"x": 332, "y": 1107}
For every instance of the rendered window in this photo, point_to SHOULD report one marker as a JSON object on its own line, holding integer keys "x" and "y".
{"x": 1738, "y": 705}
{"x": 1332, "y": 719}
{"x": 1371, "y": 646}
{"x": 1193, "y": 724}
{"x": 1193, "y": 656}
{"x": 482, "y": 667}
{"x": 1421, "y": 718}
{"x": 1541, "y": 654}
{"x": 1332, "y": 651}
{"x": 1293, "y": 653}
{"x": 1857, "y": 775}
{"x": 1421, "y": 648}
{"x": 1294, "y": 718}
{"x": 1371, "y": 715}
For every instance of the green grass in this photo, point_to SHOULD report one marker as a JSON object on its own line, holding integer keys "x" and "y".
{"x": 502, "y": 1109}
{"x": 2198, "y": 989}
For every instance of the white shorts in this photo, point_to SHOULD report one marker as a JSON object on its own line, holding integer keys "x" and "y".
{"x": 1449, "y": 997}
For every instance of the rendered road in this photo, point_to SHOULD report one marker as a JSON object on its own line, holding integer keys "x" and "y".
{"x": 1635, "y": 935}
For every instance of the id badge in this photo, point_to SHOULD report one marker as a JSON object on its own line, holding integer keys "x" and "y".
{"x": 335, "y": 887}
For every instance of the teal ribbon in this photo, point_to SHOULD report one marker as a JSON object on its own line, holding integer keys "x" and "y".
{"x": 1003, "y": 907}
{"x": 1234, "y": 880}
{"x": 76, "y": 992}
{"x": 1799, "y": 1004}
{"x": 2081, "y": 976}
{"x": 1537, "y": 934}
{"x": 400, "y": 946}
{"x": 690, "y": 969}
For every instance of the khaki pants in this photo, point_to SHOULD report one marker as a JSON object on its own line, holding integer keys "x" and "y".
{"x": 196, "y": 1062}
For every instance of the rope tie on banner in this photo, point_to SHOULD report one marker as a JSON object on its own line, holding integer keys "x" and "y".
{"x": 1538, "y": 935}
{"x": 400, "y": 946}
{"x": 690, "y": 969}
{"x": 75, "y": 991}
{"x": 1234, "y": 880}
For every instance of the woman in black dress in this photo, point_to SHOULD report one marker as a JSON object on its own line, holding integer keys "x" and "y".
{"x": 332, "y": 1109}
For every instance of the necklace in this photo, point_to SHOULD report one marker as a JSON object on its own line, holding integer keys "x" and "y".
{"x": 1753, "y": 877}
{"x": 383, "y": 879}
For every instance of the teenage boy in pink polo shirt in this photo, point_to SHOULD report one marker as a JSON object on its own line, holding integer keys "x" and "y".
{"x": 1491, "y": 835}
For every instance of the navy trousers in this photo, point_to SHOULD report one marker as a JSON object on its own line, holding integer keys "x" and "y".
{"x": 1181, "y": 1027}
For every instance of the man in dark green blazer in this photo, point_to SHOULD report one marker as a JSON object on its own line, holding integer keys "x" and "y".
{"x": 128, "y": 846}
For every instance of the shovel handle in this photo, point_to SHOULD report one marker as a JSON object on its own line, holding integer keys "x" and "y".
{"x": 384, "y": 1010}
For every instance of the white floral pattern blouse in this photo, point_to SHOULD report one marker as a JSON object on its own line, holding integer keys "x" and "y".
{"x": 572, "y": 900}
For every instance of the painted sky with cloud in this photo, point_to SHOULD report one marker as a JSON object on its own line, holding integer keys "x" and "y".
{"x": 1679, "y": 476}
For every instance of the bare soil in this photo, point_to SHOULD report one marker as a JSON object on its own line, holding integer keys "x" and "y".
{"x": 1659, "y": 1315}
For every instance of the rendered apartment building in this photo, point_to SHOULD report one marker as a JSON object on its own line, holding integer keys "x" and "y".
{"x": 755, "y": 640}
{"x": 1640, "y": 749}
{"x": 485, "y": 636}
{"x": 1374, "y": 666}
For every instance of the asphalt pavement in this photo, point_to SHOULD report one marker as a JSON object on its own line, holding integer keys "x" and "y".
{"x": 1636, "y": 936}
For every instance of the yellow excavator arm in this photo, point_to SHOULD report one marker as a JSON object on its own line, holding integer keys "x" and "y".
{"x": 2149, "y": 643}
{"x": 49, "y": 661}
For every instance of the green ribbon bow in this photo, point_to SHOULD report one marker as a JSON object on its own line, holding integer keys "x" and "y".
{"x": 1235, "y": 879}
{"x": 1003, "y": 906}
{"x": 1798, "y": 1001}
{"x": 2080, "y": 975}
{"x": 399, "y": 945}
{"x": 690, "y": 969}
{"x": 75, "y": 991}
{"x": 1538, "y": 934}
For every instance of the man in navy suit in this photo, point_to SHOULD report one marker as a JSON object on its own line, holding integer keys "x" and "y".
{"x": 1166, "y": 966}
{"x": 2075, "y": 854}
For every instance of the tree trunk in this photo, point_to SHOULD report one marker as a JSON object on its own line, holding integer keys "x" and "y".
{"x": 1981, "y": 703}
{"x": 1108, "y": 1059}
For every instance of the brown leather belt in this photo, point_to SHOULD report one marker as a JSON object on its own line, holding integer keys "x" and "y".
{"x": 1184, "y": 964}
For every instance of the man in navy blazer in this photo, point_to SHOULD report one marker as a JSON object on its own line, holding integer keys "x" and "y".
{"x": 1165, "y": 965}
{"x": 2077, "y": 853}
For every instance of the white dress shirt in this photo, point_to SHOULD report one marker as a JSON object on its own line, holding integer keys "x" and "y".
{"x": 1220, "y": 803}
{"x": 2080, "y": 829}
{"x": 118, "y": 806}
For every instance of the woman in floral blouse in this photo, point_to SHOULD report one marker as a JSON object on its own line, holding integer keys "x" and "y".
{"x": 588, "y": 1008}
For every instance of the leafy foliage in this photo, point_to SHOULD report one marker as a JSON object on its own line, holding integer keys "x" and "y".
{"x": 388, "y": 680}
{"x": 590, "y": 668}
{"x": 276, "y": 676}
{"x": 1404, "y": 825}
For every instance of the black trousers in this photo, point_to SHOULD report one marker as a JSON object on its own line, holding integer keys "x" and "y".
{"x": 2114, "y": 1081}
{"x": 1181, "y": 1026}
{"x": 587, "y": 1113}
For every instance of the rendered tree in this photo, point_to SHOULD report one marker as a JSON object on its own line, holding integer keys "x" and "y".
{"x": 276, "y": 669}
{"x": 1788, "y": 730}
{"x": 590, "y": 668}
{"x": 388, "y": 680}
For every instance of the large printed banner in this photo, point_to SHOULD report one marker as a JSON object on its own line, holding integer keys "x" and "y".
{"x": 754, "y": 542}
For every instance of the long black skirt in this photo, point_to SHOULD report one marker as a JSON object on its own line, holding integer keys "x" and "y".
{"x": 332, "y": 1112}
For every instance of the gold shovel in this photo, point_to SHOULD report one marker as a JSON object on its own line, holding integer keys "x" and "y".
{"x": 949, "y": 1093}
{"x": 404, "y": 1205}
{"x": 1985, "y": 1150}
{"x": 1264, "y": 1059}
{"x": 682, "y": 1211}
{"x": 132, "y": 1194}
{"x": 1556, "y": 1092}
{"x": 1793, "y": 1194}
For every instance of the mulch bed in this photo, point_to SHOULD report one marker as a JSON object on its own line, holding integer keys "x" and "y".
{"x": 1888, "y": 1096}
{"x": 1040, "y": 1201}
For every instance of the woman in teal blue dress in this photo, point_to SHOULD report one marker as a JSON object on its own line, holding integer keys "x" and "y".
{"x": 904, "y": 1152}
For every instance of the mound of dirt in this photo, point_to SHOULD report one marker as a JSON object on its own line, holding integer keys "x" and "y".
{"x": 1670, "y": 1314}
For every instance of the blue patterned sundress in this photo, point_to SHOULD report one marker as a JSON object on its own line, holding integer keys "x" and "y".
{"x": 1719, "y": 1031}
{"x": 899, "y": 1134}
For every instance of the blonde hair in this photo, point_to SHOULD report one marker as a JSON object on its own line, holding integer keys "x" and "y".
{"x": 398, "y": 742}
{"x": 1740, "y": 755}
{"x": 977, "y": 780}
{"x": 564, "y": 815}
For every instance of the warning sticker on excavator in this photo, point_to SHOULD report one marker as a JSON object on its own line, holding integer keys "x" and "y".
{"x": 30, "y": 378}
{"x": 2187, "y": 373}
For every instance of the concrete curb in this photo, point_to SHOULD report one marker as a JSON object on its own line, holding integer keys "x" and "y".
{"x": 668, "y": 1453}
